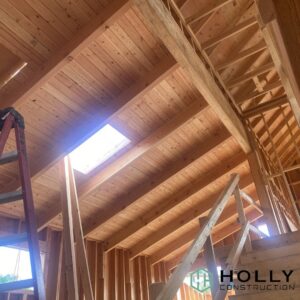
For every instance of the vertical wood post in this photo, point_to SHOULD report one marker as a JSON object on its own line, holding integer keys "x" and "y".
{"x": 264, "y": 197}
{"x": 54, "y": 258}
{"x": 242, "y": 216}
{"x": 100, "y": 272}
{"x": 127, "y": 276}
{"x": 69, "y": 249}
{"x": 155, "y": 289}
{"x": 209, "y": 257}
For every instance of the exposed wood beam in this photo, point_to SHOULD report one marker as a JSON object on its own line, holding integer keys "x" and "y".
{"x": 86, "y": 129}
{"x": 249, "y": 75}
{"x": 107, "y": 16}
{"x": 207, "y": 11}
{"x": 162, "y": 23}
{"x": 117, "y": 165}
{"x": 217, "y": 236}
{"x": 229, "y": 33}
{"x": 279, "y": 21}
{"x": 170, "y": 203}
{"x": 269, "y": 87}
{"x": 265, "y": 107}
{"x": 182, "y": 220}
{"x": 237, "y": 57}
{"x": 183, "y": 241}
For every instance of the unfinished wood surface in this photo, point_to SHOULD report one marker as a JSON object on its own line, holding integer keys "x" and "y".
{"x": 170, "y": 33}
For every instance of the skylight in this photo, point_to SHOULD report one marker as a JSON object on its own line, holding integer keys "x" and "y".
{"x": 264, "y": 229}
{"x": 97, "y": 149}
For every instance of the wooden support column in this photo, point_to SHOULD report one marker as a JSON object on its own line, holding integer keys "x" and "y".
{"x": 136, "y": 279}
{"x": 53, "y": 261}
{"x": 242, "y": 216}
{"x": 263, "y": 195}
{"x": 100, "y": 272}
{"x": 155, "y": 289}
{"x": 127, "y": 276}
{"x": 69, "y": 267}
{"x": 73, "y": 232}
{"x": 210, "y": 260}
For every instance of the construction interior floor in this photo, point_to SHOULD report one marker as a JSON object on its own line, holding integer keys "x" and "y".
{"x": 149, "y": 149}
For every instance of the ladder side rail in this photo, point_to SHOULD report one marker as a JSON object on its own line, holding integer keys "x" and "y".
{"x": 33, "y": 243}
{"x": 171, "y": 287}
{"x": 8, "y": 123}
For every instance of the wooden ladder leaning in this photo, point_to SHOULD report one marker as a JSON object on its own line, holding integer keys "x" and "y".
{"x": 11, "y": 119}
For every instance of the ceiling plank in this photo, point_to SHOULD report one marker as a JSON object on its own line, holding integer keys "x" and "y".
{"x": 165, "y": 27}
{"x": 225, "y": 168}
{"x": 117, "y": 165}
{"x": 108, "y": 16}
{"x": 85, "y": 129}
{"x": 182, "y": 220}
{"x": 279, "y": 21}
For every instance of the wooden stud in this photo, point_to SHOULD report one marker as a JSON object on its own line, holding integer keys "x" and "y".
{"x": 54, "y": 258}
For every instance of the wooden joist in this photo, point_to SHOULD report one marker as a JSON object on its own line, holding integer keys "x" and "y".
{"x": 249, "y": 75}
{"x": 266, "y": 107}
{"x": 266, "y": 89}
{"x": 207, "y": 11}
{"x": 162, "y": 23}
{"x": 279, "y": 21}
{"x": 237, "y": 57}
{"x": 229, "y": 33}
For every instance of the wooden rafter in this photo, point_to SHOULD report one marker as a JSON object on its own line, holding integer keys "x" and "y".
{"x": 67, "y": 53}
{"x": 218, "y": 236}
{"x": 265, "y": 107}
{"x": 182, "y": 220}
{"x": 164, "y": 25}
{"x": 86, "y": 129}
{"x": 172, "y": 202}
{"x": 134, "y": 153}
{"x": 207, "y": 11}
{"x": 183, "y": 241}
{"x": 237, "y": 57}
{"x": 227, "y": 34}
{"x": 279, "y": 21}
{"x": 268, "y": 88}
{"x": 249, "y": 75}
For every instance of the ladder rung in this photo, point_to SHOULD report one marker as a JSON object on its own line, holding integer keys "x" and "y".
{"x": 13, "y": 239}
{"x": 16, "y": 285}
{"x": 8, "y": 157}
{"x": 10, "y": 197}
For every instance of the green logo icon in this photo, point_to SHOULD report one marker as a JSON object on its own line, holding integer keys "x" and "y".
{"x": 200, "y": 280}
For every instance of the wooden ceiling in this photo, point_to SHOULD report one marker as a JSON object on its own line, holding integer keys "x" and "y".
{"x": 90, "y": 63}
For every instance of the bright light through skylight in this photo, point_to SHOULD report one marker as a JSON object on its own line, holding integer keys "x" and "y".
{"x": 264, "y": 229}
{"x": 97, "y": 149}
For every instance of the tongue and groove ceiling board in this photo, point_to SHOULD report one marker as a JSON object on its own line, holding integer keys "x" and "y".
{"x": 95, "y": 62}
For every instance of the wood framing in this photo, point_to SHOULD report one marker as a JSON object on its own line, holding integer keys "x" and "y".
{"x": 162, "y": 23}
{"x": 279, "y": 23}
